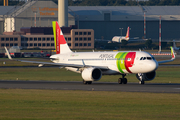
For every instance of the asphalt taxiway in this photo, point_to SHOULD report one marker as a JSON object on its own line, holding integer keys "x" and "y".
{"x": 95, "y": 86}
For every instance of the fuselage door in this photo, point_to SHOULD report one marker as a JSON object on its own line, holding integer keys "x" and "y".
{"x": 129, "y": 60}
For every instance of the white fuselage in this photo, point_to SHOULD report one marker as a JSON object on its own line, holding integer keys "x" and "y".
{"x": 117, "y": 62}
{"x": 119, "y": 38}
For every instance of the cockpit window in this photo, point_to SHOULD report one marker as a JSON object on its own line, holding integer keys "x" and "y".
{"x": 147, "y": 58}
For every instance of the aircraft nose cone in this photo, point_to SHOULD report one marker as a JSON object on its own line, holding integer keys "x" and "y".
{"x": 153, "y": 65}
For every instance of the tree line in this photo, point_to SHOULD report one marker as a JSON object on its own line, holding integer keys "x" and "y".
{"x": 108, "y": 2}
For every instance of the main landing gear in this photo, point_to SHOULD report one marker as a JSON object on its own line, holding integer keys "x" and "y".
{"x": 122, "y": 80}
{"x": 87, "y": 82}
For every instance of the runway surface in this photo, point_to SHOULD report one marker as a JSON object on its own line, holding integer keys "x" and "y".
{"x": 95, "y": 86}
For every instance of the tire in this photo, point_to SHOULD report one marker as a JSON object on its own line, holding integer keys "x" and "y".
{"x": 120, "y": 80}
{"x": 141, "y": 82}
{"x": 89, "y": 82}
{"x": 124, "y": 81}
{"x": 84, "y": 82}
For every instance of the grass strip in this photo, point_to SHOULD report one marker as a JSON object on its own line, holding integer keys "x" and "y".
{"x": 92, "y": 105}
{"x": 163, "y": 75}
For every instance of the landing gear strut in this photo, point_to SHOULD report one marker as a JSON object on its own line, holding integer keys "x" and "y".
{"x": 122, "y": 80}
{"x": 140, "y": 76}
{"x": 141, "y": 82}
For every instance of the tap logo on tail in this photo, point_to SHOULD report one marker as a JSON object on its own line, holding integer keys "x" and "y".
{"x": 59, "y": 40}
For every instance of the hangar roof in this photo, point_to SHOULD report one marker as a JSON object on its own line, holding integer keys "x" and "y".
{"x": 126, "y": 12}
{"x": 116, "y": 13}
{"x": 5, "y": 9}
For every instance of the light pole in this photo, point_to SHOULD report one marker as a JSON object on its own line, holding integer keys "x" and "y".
{"x": 120, "y": 37}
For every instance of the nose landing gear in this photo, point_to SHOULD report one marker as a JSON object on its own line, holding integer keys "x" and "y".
{"x": 140, "y": 77}
{"x": 141, "y": 82}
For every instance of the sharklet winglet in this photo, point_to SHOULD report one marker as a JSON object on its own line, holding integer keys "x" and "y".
{"x": 172, "y": 53}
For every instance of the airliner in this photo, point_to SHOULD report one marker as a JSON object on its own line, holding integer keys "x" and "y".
{"x": 174, "y": 46}
{"x": 120, "y": 38}
{"x": 92, "y": 65}
{"x": 127, "y": 38}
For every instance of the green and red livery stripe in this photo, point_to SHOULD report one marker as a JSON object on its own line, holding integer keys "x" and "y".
{"x": 125, "y": 60}
{"x": 54, "y": 31}
{"x": 129, "y": 60}
{"x": 120, "y": 61}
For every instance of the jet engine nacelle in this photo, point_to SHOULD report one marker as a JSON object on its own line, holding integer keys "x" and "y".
{"x": 91, "y": 74}
{"x": 146, "y": 76}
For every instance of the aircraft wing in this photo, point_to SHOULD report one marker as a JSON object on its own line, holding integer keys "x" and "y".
{"x": 56, "y": 64}
{"x": 62, "y": 64}
{"x": 172, "y": 59}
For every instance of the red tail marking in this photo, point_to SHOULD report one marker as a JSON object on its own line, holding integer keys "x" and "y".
{"x": 59, "y": 38}
{"x": 127, "y": 34}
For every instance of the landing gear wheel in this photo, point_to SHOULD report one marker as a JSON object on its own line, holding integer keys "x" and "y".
{"x": 124, "y": 81}
{"x": 89, "y": 82}
{"x": 141, "y": 82}
{"x": 84, "y": 82}
{"x": 120, "y": 80}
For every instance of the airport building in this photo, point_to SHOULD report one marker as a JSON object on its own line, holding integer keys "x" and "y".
{"x": 103, "y": 22}
{"x": 108, "y": 21}
{"x": 30, "y": 26}
{"x": 77, "y": 39}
